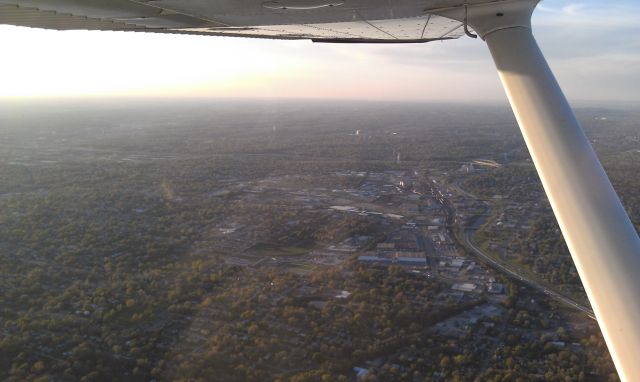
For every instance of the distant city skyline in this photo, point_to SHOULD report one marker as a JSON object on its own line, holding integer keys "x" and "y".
{"x": 593, "y": 47}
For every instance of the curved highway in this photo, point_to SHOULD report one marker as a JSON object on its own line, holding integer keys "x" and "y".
{"x": 468, "y": 233}
{"x": 497, "y": 265}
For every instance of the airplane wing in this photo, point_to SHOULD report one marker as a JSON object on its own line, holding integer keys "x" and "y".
{"x": 318, "y": 20}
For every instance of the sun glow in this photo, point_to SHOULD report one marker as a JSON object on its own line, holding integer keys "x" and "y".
{"x": 127, "y": 63}
{"x": 591, "y": 60}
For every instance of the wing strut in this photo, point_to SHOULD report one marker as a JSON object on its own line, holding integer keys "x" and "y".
{"x": 601, "y": 238}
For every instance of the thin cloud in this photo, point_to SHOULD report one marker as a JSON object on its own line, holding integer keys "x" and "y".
{"x": 572, "y": 9}
{"x": 611, "y": 15}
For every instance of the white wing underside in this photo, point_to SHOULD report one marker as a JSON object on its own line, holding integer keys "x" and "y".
{"x": 318, "y": 20}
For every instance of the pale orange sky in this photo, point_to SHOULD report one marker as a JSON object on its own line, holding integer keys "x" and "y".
{"x": 583, "y": 44}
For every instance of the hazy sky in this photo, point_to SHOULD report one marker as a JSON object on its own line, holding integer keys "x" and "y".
{"x": 593, "y": 47}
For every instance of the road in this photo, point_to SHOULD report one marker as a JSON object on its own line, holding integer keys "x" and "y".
{"x": 515, "y": 275}
{"x": 468, "y": 233}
